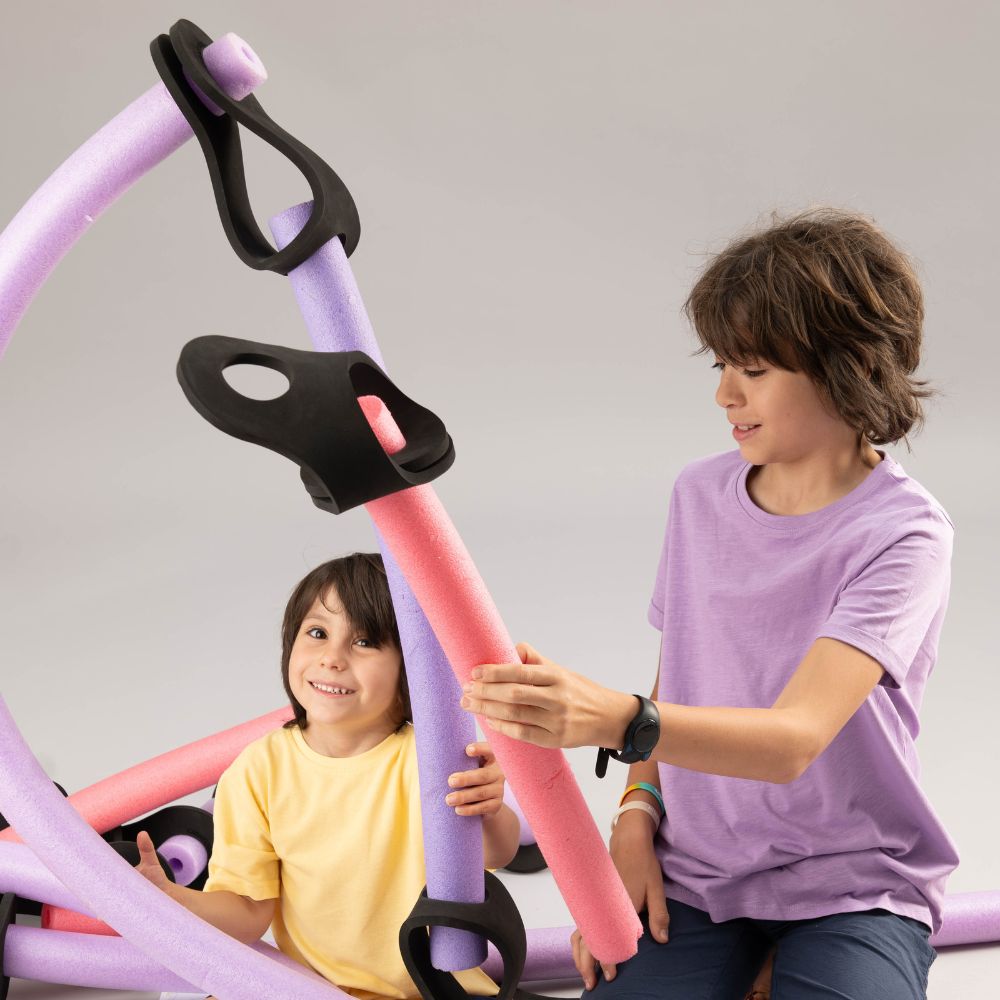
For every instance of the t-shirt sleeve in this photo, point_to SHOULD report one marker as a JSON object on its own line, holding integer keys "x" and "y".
{"x": 656, "y": 603}
{"x": 887, "y": 610}
{"x": 243, "y": 858}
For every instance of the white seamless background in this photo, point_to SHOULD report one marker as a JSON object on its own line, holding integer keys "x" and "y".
{"x": 538, "y": 185}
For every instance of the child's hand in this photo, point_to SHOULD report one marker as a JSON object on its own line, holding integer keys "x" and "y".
{"x": 149, "y": 865}
{"x": 481, "y": 788}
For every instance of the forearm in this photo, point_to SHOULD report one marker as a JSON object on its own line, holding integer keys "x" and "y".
{"x": 501, "y": 835}
{"x": 239, "y": 917}
{"x": 764, "y": 744}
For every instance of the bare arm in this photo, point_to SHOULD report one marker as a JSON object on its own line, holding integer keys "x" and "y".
{"x": 543, "y": 703}
{"x": 240, "y": 917}
{"x": 501, "y": 837}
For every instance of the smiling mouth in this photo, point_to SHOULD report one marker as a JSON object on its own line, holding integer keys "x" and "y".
{"x": 329, "y": 689}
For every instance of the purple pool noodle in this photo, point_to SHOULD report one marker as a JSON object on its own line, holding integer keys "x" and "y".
{"x": 335, "y": 316}
{"x": 102, "y": 169}
{"x": 510, "y": 799}
{"x": 84, "y": 960}
{"x": 186, "y": 856}
{"x": 969, "y": 918}
{"x": 23, "y": 874}
{"x": 550, "y": 956}
{"x": 117, "y": 894}
{"x": 103, "y": 962}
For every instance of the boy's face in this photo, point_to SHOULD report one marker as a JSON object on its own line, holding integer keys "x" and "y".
{"x": 795, "y": 422}
{"x": 340, "y": 677}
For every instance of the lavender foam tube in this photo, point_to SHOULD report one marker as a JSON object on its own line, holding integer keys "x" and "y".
{"x": 336, "y": 319}
{"x": 102, "y": 169}
{"x": 117, "y": 894}
{"x": 101, "y": 962}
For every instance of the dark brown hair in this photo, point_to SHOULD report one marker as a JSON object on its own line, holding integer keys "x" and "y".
{"x": 363, "y": 589}
{"x": 826, "y": 293}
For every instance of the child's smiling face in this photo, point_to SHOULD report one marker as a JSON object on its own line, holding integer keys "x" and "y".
{"x": 793, "y": 419}
{"x": 345, "y": 683}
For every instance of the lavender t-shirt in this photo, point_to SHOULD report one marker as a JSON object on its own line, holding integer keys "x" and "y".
{"x": 740, "y": 597}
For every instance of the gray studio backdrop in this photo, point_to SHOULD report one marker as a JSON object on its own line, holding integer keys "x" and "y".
{"x": 538, "y": 186}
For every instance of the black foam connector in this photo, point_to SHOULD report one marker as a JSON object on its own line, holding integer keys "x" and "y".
{"x": 529, "y": 859}
{"x": 318, "y": 422}
{"x": 179, "y": 61}
{"x": 497, "y": 919}
{"x": 8, "y": 913}
{"x": 172, "y": 821}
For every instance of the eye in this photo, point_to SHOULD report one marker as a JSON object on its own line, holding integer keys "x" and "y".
{"x": 316, "y": 632}
{"x": 366, "y": 643}
{"x": 750, "y": 373}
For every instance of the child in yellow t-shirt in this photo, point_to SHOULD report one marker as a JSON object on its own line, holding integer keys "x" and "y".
{"x": 317, "y": 825}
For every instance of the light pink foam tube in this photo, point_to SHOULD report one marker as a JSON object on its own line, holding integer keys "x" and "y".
{"x": 445, "y": 581}
{"x": 117, "y": 894}
{"x": 172, "y": 775}
{"x": 103, "y": 168}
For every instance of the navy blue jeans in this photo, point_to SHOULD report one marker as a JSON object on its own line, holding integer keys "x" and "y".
{"x": 871, "y": 955}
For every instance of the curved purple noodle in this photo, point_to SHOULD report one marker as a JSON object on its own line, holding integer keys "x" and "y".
{"x": 51, "y": 221}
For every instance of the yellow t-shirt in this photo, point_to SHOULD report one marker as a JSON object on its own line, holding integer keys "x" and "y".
{"x": 338, "y": 841}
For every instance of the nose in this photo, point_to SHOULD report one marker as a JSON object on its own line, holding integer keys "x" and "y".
{"x": 330, "y": 658}
{"x": 729, "y": 392}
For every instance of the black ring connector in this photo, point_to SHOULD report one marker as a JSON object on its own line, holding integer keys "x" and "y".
{"x": 497, "y": 919}
{"x": 317, "y": 422}
{"x": 178, "y": 59}
{"x": 172, "y": 821}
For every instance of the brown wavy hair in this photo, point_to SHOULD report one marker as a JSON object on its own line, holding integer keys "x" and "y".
{"x": 363, "y": 589}
{"x": 827, "y": 293}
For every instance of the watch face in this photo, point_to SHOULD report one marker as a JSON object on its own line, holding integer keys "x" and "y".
{"x": 645, "y": 736}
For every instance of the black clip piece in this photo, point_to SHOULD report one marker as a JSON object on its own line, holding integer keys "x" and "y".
{"x": 496, "y": 918}
{"x": 172, "y": 821}
{"x": 178, "y": 59}
{"x": 318, "y": 422}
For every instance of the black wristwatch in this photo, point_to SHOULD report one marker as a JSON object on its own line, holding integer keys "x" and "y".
{"x": 642, "y": 734}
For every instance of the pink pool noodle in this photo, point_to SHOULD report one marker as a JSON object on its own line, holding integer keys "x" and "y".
{"x": 122, "y": 898}
{"x": 58, "y": 918}
{"x": 140, "y": 789}
{"x": 454, "y": 597}
{"x": 102, "y": 169}
{"x": 335, "y": 317}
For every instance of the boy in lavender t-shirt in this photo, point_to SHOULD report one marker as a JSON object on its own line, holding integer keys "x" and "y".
{"x": 802, "y": 587}
{"x": 740, "y": 586}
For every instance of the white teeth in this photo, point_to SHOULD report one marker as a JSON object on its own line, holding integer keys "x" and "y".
{"x": 746, "y": 427}
{"x": 330, "y": 690}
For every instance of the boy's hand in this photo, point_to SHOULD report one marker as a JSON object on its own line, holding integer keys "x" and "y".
{"x": 149, "y": 865}
{"x": 480, "y": 789}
